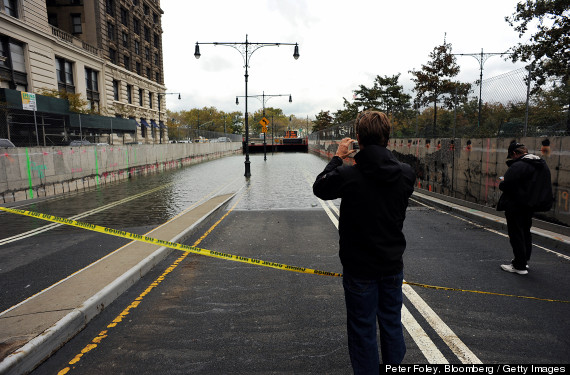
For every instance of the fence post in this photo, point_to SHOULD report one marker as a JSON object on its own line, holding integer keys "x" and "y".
{"x": 80, "y": 131}
{"x": 529, "y": 80}
{"x": 36, "y": 124}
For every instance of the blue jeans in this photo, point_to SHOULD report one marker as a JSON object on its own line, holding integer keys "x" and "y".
{"x": 366, "y": 302}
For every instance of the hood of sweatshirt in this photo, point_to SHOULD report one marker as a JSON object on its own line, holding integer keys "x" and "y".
{"x": 529, "y": 158}
{"x": 378, "y": 163}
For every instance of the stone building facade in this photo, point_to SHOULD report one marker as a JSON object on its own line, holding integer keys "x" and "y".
{"x": 108, "y": 51}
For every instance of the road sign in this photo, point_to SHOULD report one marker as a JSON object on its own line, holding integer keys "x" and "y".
{"x": 264, "y": 128}
{"x": 264, "y": 122}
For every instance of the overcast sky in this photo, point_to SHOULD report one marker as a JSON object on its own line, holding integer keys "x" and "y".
{"x": 342, "y": 44}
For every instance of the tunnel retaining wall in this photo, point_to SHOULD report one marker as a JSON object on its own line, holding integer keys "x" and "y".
{"x": 36, "y": 172}
{"x": 469, "y": 169}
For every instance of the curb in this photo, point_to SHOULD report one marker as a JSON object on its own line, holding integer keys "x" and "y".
{"x": 35, "y": 351}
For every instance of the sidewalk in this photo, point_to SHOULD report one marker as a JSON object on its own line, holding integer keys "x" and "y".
{"x": 32, "y": 330}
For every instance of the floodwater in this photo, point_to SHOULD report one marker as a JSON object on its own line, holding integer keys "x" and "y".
{"x": 283, "y": 181}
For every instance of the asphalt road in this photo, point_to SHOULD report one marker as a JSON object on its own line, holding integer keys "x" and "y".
{"x": 210, "y": 316}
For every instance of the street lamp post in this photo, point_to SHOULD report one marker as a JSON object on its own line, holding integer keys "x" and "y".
{"x": 160, "y": 95}
{"x": 246, "y": 49}
{"x": 481, "y": 58}
{"x": 264, "y": 99}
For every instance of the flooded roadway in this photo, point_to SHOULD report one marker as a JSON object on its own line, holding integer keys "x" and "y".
{"x": 34, "y": 253}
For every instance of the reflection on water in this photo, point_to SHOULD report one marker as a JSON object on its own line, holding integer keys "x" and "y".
{"x": 283, "y": 181}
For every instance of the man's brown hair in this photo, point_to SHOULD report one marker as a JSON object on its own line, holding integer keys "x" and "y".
{"x": 372, "y": 128}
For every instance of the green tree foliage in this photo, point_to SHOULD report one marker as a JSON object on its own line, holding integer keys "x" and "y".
{"x": 182, "y": 123}
{"x": 386, "y": 95}
{"x": 347, "y": 114}
{"x": 322, "y": 121}
{"x": 548, "y": 48}
{"x": 272, "y": 114}
{"x": 434, "y": 84}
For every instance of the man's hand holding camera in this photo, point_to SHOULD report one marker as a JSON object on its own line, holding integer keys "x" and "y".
{"x": 344, "y": 150}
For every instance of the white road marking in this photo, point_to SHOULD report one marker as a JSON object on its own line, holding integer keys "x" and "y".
{"x": 488, "y": 229}
{"x": 421, "y": 338}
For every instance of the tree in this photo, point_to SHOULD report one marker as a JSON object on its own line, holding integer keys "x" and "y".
{"x": 434, "y": 81}
{"x": 347, "y": 114}
{"x": 386, "y": 95}
{"x": 547, "y": 48}
{"x": 322, "y": 121}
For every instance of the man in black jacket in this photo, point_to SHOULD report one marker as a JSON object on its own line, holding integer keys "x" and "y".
{"x": 526, "y": 189}
{"x": 374, "y": 194}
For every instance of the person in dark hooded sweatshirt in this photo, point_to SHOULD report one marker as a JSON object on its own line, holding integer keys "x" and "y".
{"x": 374, "y": 194}
{"x": 526, "y": 188}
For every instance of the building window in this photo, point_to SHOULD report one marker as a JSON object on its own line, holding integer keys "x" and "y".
{"x": 156, "y": 41}
{"x": 130, "y": 94}
{"x": 141, "y": 99}
{"x": 138, "y": 68}
{"x": 76, "y": 23}
{"x": 65, "y": 75}
{"x": 11, "y": 7}
{"x": 150, "y": 99}
{"x": 125, "y": 40}
{"x": 112, "y": 55}
{"x": 135, "y": 2}
{"x": 137, "y": 26}
{"x": 156, "y": 59}
{"x": 157, "y": 77}
{"x": 116, "y": 86}
{"x": 147, "y": 53}
{"x": 92, "y": 85}
{"x": 148, "y": 73}
{"x": 127, "y": 62}
{"x": 124, "y": 17}
{"x": 137, "y": 47}
{"x": 155, "y": 17}
{"x": 110, "y": 5}
{"x": 52, "y": 19}
{"x": 12, "y": 65}
{"x": 110, "y": 31}
{"x": 147, "y": 34}
{"x": 146, "y": 9}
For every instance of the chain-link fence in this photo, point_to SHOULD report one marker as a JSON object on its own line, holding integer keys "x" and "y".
{"x": 508, "y": 106}
{"x": 185, "y": 134}
{"x": 28, "y": 129}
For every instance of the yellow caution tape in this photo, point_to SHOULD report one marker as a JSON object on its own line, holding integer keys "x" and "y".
{"x": 173, "y": 245}
{"x": 480, "y": 292}
{"x": 235, "y": 258}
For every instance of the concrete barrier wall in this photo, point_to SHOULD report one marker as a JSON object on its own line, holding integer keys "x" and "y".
{"x": 28, "y": 173}
{"x": 469, "y": 169}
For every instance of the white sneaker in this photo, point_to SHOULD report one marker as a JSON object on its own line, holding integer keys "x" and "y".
{"x": 510, "y": 268}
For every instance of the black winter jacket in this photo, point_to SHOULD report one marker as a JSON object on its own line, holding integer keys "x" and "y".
{"x": 526, "y": 185}
{"x": 374, "y": 195}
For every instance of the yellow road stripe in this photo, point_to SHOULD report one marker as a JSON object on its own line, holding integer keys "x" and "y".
{"x": 119, "y": 318}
